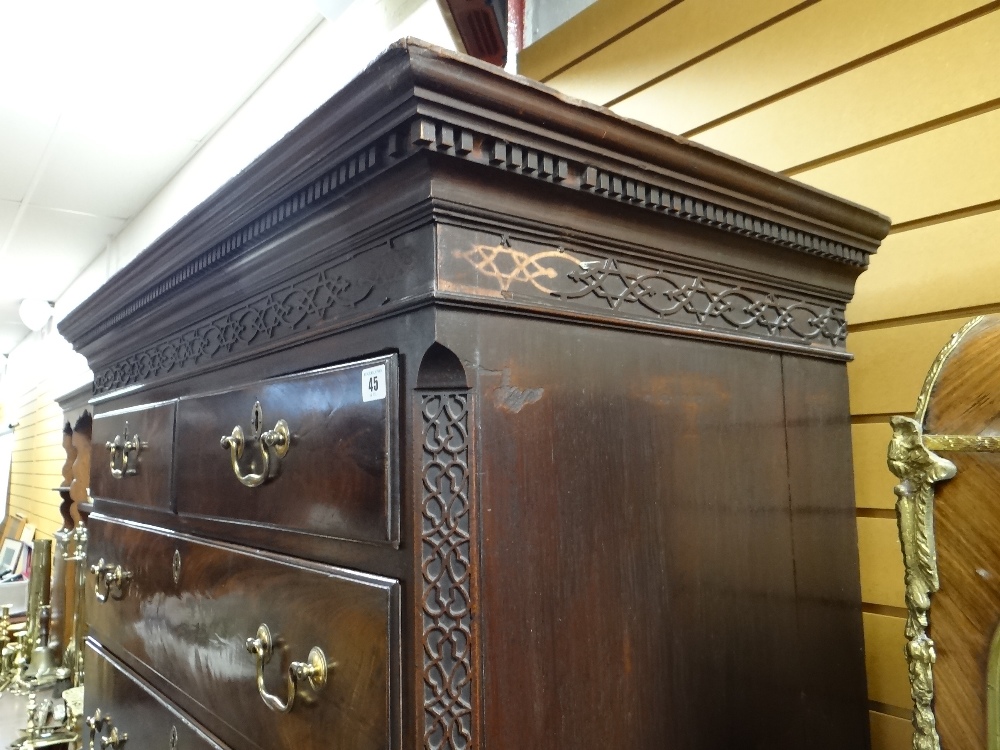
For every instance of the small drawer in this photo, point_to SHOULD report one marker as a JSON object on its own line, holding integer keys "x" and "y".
{"x": 186, "y": 608}
{"x": 118, "y": 706}
{"x": 133, "y": 449}
{"x": 331, "y": 474}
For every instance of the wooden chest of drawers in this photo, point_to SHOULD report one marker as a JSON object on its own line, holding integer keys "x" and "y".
{"x": 471, "y": 417}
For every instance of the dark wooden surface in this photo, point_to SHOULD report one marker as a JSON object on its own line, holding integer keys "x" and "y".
{"x": 831, "y": 700}
{"x": 338, "y": 477}
{"x": 133, "y": 709}
{"x": 655, "y": 516}
{"x": 965, "y": 612}
{"x": 150, "y": 484}
{"x": 621, "y": 450}
{"x": 193, "y": 633}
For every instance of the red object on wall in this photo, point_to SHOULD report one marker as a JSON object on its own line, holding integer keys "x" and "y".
{"x": 482, "y": 24}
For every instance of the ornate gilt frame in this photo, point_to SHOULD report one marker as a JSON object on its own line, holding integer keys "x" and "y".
{"x": 911, "y": 457}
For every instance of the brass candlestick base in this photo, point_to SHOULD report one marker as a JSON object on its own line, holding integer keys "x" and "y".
{"x": 48, "y": 725}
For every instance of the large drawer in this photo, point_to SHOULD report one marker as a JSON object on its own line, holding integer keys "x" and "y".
{"x": 133, "y": 449}
{"x": 117, "y": 704}
{"x": 336, "y": 477}
{"x": 186, "y": 607}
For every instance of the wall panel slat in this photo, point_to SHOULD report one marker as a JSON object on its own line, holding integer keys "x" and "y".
{"x": 581, "y": 34}
{"x": 953, "y": 71}
{"x": 881, "y": 562}
{"x": 938, "y": 268}
{"x": 873, "y": 482}
{"x": 684, "y": 32}
{"x": 891, "y": 363}
{"x": 931, "y": 173}
{"x": 890, "y": 732}
{"x": 823, "y": 37}
{"x": 885, "y": 662}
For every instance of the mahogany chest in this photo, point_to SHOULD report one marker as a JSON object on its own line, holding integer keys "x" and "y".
{"x": 469, "y": 416}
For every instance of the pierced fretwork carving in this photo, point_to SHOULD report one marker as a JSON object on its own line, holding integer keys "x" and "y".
{"x": 448, "y": 549}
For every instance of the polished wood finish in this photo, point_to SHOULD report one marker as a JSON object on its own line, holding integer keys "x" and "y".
{"x": 133, "y": 709}
{"x": 965, "y": 612}
{"x": 621, "y": 454}
{"x": 191, "y": 627}
{"x": 149, "y": 485}
{"x": 338, "y": 477}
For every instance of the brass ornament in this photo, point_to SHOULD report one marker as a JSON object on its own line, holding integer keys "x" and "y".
{"x": 911, "y": 458}
{"x": 120, "y": 449}
{"x": 114, "y": 579}
{"x": 274, "y": 445}
{"x": 175, "y": 567}
{"x": 314, "y": 670}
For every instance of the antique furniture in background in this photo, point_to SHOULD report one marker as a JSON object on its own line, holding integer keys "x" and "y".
{"x": 948, "y": 458}
{"x": 468, "y": 416}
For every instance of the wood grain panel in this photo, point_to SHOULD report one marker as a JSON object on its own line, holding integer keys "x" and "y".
{"x": 131, "y": 707}
{"x": 890, "y": 364}
{"x": 907, "y": 275}
{"x": 931, "y": 173}
{"x": 890, "y": 732}
{"x": 948, "y": 72}
{"x": 881, "y": 562}
{"x": 347, "y": 492}
{"x": 965, "y": 399}
{"x": 873, "y": 482}
{"x": 193, "y": 628}
{"x": 673, "y": 38}
{"x": 808, "y": 44}
{"x": 825, "y": 548}
{"x": 590, "y": 28}
{"x": 717, "y": 535}
{"x": 885, "y": 663}
{"x": 965, "y": 612}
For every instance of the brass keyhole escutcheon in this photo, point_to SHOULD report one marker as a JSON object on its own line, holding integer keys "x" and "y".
{"x": 271, "y": 447}
{"x": 176, "y": 567}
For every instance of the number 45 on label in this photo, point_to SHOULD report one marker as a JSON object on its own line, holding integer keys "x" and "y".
{"x": 373, "y": 383}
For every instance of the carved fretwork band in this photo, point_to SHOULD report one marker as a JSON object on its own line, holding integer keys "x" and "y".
{"x": 452, "y": 139}
{"x": 448, "y": 547}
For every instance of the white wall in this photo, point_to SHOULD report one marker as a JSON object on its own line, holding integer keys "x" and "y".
{"x": 44, "y": 366}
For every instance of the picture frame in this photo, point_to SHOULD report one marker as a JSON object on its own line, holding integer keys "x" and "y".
{"x": 10, "y": 553}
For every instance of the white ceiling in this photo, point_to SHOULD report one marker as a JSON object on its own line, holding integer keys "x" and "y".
{"x": 101, "y": 103}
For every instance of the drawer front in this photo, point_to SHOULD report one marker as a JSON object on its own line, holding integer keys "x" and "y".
{"x": 186, "y": 608}
{"x": 132, "y": 456}
{"x": 129, "y": 707}
{"x": 337, "y": 476}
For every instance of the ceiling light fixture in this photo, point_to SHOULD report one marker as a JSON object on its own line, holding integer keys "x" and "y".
{"x": 35, "y": 313}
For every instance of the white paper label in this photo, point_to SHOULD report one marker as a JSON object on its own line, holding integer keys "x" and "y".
{"x": 373, "y": 383}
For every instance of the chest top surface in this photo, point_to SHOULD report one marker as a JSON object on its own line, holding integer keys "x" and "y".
{"x": 433, "y": 178}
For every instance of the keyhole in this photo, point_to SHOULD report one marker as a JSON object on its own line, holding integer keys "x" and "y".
{"x": 258, "y": 418}
{"x": 173, "y": 738}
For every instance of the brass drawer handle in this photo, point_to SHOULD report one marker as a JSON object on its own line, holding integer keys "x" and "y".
{"x": 96, "y": 724}
{"x": 111, "y": 576}
{"x": 273, "y": 444}
{"x": 120, "y": 448}
{"x": 314, "y": 670}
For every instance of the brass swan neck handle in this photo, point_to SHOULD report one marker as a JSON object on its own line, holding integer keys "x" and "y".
{"x": 123, "y": 463}
{"x": 274, "y": 445}
{"x": 314, "y": 670}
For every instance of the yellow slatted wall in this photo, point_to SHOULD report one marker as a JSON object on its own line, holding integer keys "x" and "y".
{"x": 36, "y": 464}
{"x": 38, "y": 371}
{"x": 894, "y": 104}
